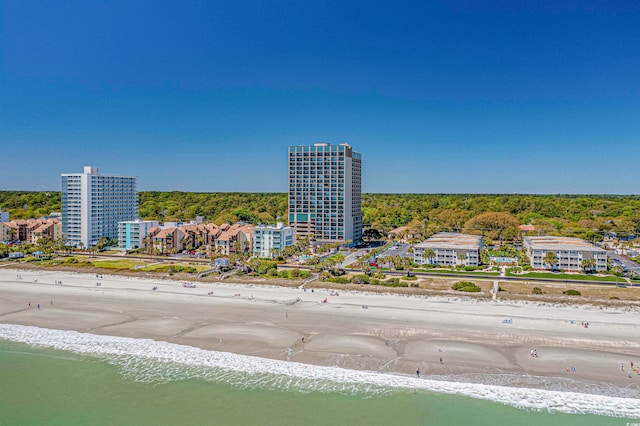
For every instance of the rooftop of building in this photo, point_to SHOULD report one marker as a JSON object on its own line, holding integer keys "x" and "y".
{"x": 164, "y": 233}
{"x": 325, "y": 146}
{"x": 91, "y": 170}
{"x": 277, "y": 226}
{"x": 138, "y": 221}
{"x": 398, "y": 230}
{"x": 452, "y": 240}
{"x": 553, "y": 243}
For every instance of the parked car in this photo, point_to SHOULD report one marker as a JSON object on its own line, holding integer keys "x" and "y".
{"x": 189, "y": 285}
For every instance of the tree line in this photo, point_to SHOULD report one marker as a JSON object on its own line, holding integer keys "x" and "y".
{"x": 497, "y": 216}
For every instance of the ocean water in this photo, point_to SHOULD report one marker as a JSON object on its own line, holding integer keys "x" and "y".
{"x": 63, "y": 377}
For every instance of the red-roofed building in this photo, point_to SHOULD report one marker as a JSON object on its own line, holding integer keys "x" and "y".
{"x": 527, "y": 228}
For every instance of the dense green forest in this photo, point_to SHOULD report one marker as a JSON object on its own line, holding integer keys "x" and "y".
{"x": 584, "y": 216}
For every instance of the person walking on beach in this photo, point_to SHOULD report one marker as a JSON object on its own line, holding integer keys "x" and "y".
{"x": 622, "y": 366}
{"x": 441, "y": 360}
{"x": 418, "y": 372}
{"x": 38, "y": 306}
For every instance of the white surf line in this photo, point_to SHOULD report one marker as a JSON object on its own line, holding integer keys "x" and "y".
{"x": 536, "y": 399}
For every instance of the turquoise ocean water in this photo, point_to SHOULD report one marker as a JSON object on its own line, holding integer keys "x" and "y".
{"x": 87, "y": 379}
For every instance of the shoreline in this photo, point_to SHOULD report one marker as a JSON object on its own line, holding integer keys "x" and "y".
{"x": 394, "y": 334}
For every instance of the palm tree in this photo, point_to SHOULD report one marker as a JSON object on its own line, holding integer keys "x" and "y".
{"x": 550, "y": 259}
{"x": 366, "y": 269}
{"x": 617, "y": 271}
{"x": 588, "y": 265}
{"x": 45, "y": 245}
{"x": 428, "y": 254}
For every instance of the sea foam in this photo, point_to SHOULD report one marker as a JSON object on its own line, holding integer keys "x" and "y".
{"x": 141, "y": 359}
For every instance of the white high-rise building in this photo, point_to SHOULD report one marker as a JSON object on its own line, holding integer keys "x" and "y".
{"x": 93, "y": 204}
{"x": 325, "y": 192}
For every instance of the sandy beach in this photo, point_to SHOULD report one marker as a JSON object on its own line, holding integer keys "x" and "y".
{"x": 453, "y": 338}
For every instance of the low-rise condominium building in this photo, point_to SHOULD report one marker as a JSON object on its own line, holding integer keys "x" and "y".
{"x": 270, "y": 240}
{"x": 449, "y": 249}
{"x": 570, "y": 253}
{"x": 132, "y": 233}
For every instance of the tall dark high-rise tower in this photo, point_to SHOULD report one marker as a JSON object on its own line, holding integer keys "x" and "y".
{"x": 325, "y": 192}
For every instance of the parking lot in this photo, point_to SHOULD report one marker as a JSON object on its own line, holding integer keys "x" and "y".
{"x": 398, "y": 249}
{"x": 627, "y": 264}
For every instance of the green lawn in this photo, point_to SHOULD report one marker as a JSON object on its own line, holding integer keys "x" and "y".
{"x": 454, "y": 271}
{"x": 582, "y": 277}
{"x": 116, "y": 264}
{"x": 163, "y": 266}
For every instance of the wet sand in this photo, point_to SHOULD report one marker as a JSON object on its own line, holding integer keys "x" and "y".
{"x": 394, "y": 333}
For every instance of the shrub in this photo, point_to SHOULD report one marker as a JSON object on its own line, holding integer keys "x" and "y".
{"x": 467, "y": 286}
{"x": 304, "y": 274}
{"x": 614, "y": 298}
{"x": 394, "y": 282}
{"x": 339, "y": 280}
{"x": 379, "y": 275}
{"x": 409, "y": 278}
{"x": 294, "y": 273}
{"x": 537, "y": 290}
{"x": 361, "y": 279}
{"x": 283, "y": 274}
{"x": 470, "y": 268}
{"x": 337, "y": 272}
{"x": 173, "y": 269}
{"x": 571, "y": 292}
{"x": 264, "y": 266}
{"x": 273, "y": 272}
{"x": 374, "y": 281}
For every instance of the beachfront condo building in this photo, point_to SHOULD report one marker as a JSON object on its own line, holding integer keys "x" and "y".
{"x": 449, "y": 249}
{"x": 324, "y": 193}
{"x": 132, "y": 233}
{"x": 93, "y": 204}
{"x": 270, "y": 240}
{"x": 570, "y": 253}
{"x": 31, "y": 230}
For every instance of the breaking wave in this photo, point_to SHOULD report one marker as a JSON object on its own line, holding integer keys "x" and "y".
{"x": 153, "y": 361}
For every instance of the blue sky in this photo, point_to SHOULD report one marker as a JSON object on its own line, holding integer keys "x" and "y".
{"x": 452, "y": 96}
